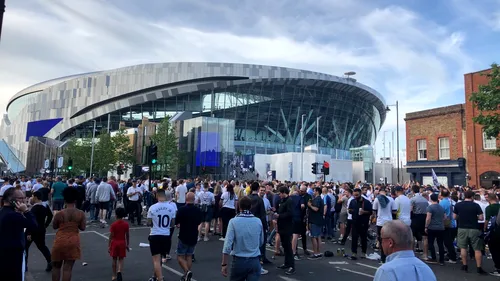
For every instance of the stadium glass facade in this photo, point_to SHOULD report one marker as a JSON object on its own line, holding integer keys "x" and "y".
{"x": 266, "y": 104}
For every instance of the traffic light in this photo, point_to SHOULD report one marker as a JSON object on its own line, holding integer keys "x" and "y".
{"x": 326, "y": 168}
{"x": 315, "y": 168}
{"x": 70, "y": 164}
{"x": 153, "y": 153}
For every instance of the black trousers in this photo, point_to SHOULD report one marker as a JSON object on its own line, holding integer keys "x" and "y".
{"x": 263, "y": 247}
{"x": 11, "y": 264}
{"x": 449, "y": 237}
{"x": 359, "y": 231}
{"x": 135, "y": 211}
{"x": 226, "y": 215}
{"x": 432, "y": 236}
{"x": 39, "y": 240}
{"x": 379, "y": 238}
{"x": 286, "y": 243}
{"x": 494, "y": 245}
{"x": 347, "y": 230}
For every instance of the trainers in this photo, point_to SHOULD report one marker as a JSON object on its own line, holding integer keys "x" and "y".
{"x": 495, "y": 273}
{"x": 451, "y": 261}
{"x": 168, "y": 257}
{"x": 119, "y": 276}
{"x": 205, "y": 239}
{"x": 282, "y": 266}
{"x": 199, "y": 239}
{"x": 263, "y": 271}
{"x": 189, "y": 275}
{"x": 296, "y": 257}
{"x": 290, "y": 271}
{"x": 222, "y": 239}
{"x": 464, "y": 268}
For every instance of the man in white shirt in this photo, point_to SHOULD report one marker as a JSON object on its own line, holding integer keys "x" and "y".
{"x": 180, "y": 194}
{"x": 134, "y": 194}
{"x": 6, "y": 185}
{"x": 37, "y": 185}
{"x": 403, "y": 206}
{"x": 104, "y": 195}
{"x": 161, "y": 216}
{"x": 384, "y": 207}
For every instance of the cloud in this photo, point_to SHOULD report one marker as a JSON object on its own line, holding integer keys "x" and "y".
{"x": 400, "y": 53}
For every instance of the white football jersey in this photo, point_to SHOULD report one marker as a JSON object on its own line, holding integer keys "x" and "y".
{"x": 162, "y": 214}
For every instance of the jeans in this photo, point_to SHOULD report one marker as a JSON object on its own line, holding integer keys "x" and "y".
{"x": 359, "y": 230}
{"x": 438, "y": 235}
{"x": 245, "y": 269}
{"x": 329, "y": 224}
{"x": 110, "y": 208}
{"x": 39, "y": 240}
{"x": 263, "y": 247}
{"x": 449, "y": 237}
{"x": 94, "y": 212}
{"x": 286, "y": 242}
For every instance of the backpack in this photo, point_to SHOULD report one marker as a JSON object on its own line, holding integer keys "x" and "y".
{"x": 493, "y": 227}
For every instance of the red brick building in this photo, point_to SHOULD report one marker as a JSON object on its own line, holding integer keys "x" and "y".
{"x": 435, "y": 140}
{"x": 483, "y": 168}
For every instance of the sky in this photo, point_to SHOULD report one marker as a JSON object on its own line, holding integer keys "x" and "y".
{"x": 412, "y": 51}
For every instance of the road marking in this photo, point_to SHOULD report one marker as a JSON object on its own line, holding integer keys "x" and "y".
{"x": 81, "y": 232}
{"x": 338, "y": 262}
{"x": 365, "y": 265}
{"x": 288, "y": 278}
{"x": 355, "y": 272}
{"x": 164, "y": 266}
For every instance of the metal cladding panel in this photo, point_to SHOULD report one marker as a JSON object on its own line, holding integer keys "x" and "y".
{"x": 40, "y": 128}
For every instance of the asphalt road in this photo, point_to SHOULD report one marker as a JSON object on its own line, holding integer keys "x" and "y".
{"x": 138, "y": 265}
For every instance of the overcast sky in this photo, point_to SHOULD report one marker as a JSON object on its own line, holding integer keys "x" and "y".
{"x": 416, "y": 52}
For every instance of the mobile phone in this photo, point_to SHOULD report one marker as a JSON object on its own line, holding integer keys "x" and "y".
{"x": 13, "y": 203}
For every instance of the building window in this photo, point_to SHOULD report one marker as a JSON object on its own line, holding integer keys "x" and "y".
{"x": 489, "y": 143}
{"x": 444, "y": 148}
{"x": 422, "y": 150}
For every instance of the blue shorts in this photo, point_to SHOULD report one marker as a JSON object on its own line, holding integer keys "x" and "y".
{"x": 185, "y": 250}
{"x": 315, "y": 230}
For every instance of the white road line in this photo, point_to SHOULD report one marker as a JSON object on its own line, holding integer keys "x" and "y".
{"x": 369, "y": 266}
{"x": 355, "y": 272}
{"x": 338, "y": 262}
{"x": 164, "y": 266}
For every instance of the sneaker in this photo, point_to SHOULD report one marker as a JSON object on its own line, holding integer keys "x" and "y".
{"x": 464, "y": 268}
{"x": 263, "y": 271}
{"x": 296, "y": 257}
{"x": 119, "y": 276}
{"x": 481, "y": 271}
{"x": 222, "y": 239}
{"x": 153, "y": 279}
{"x": 282, "y": 266}
{"x": 451, "y": 261}
{"x": 205, "y": 239}
{"x": 168, "y": 257}
{"x": 189, "y": 275}
{"x": 313, "y": 257}
{"x": 353, "y": 257}
{"x": 199, "y": 239}
{"x": 495, "y": 273}
{"x": 290, "y": 271}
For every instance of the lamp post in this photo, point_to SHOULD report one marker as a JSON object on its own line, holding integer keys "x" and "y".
{"x": 2, "y": 10}
{"x": 302, "y": 149}
{"x": 397, "y": 130}
{"x": 92, "y": 153}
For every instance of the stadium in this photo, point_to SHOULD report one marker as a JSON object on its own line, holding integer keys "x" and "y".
{"x": 266, "y": 105}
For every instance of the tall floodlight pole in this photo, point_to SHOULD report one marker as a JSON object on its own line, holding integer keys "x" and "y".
{"x": 302, "y": 149}
{"x": 383, "y": 162}
{"x": 92, "y": 153}
{"x": 2, "y": 10}
{"x": 397, "y": 130}
{"x": 317, "y": 134}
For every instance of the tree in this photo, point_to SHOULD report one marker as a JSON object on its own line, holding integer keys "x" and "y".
{"x": 104, "y": 154}
{"x": 487, "y": 101}
{"x": 168, "y": 147}
{"x": 79, "y": 151}
{"x": 124, "y": 152}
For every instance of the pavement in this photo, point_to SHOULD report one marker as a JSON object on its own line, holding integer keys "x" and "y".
{"x": 138, "y": 264}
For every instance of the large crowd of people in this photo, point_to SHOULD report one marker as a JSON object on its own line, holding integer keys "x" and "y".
{"x": 403, "y": 222}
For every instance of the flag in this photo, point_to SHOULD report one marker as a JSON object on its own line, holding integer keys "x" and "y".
{"x": 435, "y": 181}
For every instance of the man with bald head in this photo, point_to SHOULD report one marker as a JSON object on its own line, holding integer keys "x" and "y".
{"x": 401, "y": 263}
{"x": 188, "y": 219}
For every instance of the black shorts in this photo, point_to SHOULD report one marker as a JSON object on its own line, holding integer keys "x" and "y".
{"x": 298, "y": 227}
{"x": 159, "y": 244}
{"x": 418, "y": 226}
{"x": 104, "y": 205}
{"x": 57, "y": 204}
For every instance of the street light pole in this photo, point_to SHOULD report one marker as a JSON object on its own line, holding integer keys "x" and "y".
{"x": 2, "y": 10}
{"x": 92, "y": 153}
{"x": 397, "y": 130}
{"x": 302, "y": 149}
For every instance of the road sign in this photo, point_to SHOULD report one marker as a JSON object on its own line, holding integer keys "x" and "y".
{"x": 42, "y": 171}
{"x": 46, "y": 164}
{"x": 60, "y": 162}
